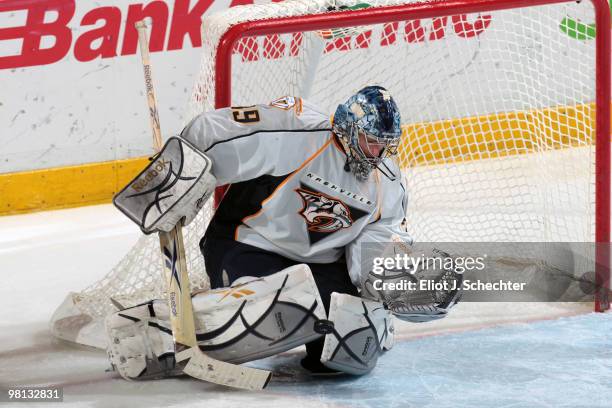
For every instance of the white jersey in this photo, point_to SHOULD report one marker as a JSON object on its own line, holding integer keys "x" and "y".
{"x": 290, "y": 193}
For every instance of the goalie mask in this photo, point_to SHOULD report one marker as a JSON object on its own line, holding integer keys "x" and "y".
{"x": 368, "y": 124}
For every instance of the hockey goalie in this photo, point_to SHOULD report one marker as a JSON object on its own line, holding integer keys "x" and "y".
{"x": 284, "y": 249}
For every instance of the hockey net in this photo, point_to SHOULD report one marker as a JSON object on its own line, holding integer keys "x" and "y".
{"x": 498, "y": 100}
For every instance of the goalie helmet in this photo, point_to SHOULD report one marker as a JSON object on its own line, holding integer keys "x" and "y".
{"x": 368, "y": 124}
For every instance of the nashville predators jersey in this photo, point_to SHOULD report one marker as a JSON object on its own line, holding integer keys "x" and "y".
{"x": 290, "y": 192}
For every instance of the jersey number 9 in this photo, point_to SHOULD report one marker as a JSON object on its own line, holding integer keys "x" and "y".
{"x": 245, "y": 114}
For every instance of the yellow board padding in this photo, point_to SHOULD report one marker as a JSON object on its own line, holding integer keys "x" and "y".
{"x": 497, "y": 135}
{"x": 65, "y": 187}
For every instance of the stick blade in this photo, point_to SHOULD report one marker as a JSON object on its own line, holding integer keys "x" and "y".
{"x": 208, "y": 369}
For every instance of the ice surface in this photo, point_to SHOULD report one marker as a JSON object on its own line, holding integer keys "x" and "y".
{"x": 454, "y": 363}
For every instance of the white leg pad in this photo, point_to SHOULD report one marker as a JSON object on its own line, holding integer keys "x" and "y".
{"x": 140, "y": 343}
{"x": 359, "y": 331}
{"x": 259, "y": 317}
{"x": 252, "y": 319}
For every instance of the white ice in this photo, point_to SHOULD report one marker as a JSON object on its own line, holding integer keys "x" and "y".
{"x": 493, "y": 355}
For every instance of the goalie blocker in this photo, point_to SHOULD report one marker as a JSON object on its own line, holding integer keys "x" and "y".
{"x": 253, "y": 319}
{"x": 173, "y": 187}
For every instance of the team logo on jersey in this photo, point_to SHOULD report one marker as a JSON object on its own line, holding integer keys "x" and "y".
{"x": 325, "y": 215}
{"x": 288, "y": 102}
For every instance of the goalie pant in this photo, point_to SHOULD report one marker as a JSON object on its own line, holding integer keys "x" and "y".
{"x": 253, "y": 319}
{"x": 290, "y": 193}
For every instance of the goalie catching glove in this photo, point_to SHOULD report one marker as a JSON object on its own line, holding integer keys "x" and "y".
{"x": 173, "y": 187}
{"x": 420, "y": 293}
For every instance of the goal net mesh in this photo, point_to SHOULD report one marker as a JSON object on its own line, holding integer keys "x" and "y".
{"x": 498, "y": 123}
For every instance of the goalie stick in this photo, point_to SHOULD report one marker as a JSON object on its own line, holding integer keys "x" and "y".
{"x": 198, "y": 365}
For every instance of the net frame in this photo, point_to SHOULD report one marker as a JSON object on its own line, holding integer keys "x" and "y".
{"x": 439, "y": 8}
